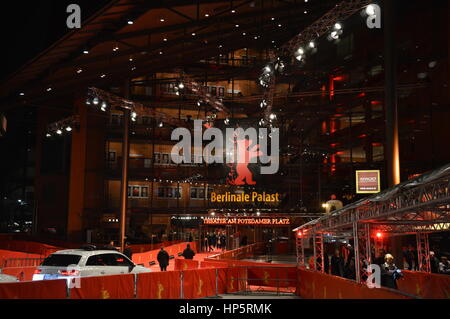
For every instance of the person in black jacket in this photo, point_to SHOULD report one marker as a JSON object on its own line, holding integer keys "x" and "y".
{"x": 127, "y": 251}
{"x": 337, "y": 264}
{"x": 188, "y": 253}
{"x": 163, "y": 259}
{"x": 389, "y": 273}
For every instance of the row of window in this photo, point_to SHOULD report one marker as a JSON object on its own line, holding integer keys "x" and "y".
{"x": 138, "y": 191}
{"x": 160, "y": 159}
{"x": 170, "y": 88}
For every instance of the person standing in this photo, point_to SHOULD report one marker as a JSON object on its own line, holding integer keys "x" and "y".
{"x": 337, "y": 264}
{"x": 188, "y": 253}
{"x": 444, "y": 266}
{"x": 389, "y": 272}
{"x": 127, "y": 251}
{"x": 163, "y": 259}
{"x": 434, "y": 263}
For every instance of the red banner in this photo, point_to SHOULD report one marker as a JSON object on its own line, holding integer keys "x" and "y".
{"x": 315, "y": 285}
{"x": 213, "y": 264}
{"x": 51, "y": 289}
{"x": 185, "y": 264}
{"x": 159, "y": 285}
{"x": 425, "y": 285}
{"x": 199, "y": 283}
{"x": 272, "y": 277}
{"x": 236, "y": 279}
{"x": 105, "y": 287}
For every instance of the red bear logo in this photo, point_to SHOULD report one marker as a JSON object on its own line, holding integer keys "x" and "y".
{"x": 245, "y": 155}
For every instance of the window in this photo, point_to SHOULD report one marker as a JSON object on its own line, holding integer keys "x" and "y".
{"x": 108, "y": 260}
{"x": 137, "y": 191}
{"x": 169, "y": 192}
{"x": 56, "y": 260}
{"x": 199, "y": 192}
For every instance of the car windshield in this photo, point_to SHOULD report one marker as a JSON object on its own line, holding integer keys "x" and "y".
{"x": 61, "y": 260}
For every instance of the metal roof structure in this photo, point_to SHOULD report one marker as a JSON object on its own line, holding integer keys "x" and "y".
{"x": 130, "y": 38}
{"x": 418, "y": 205}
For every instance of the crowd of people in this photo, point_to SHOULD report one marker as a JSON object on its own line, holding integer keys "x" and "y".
{"x": 342, "y": 264}
{"x": 212, "y": 241}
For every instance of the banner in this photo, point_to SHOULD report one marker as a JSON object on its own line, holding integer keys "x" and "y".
{"x": 315, "y": 285}
{"x": 199, "y": 283}
{"x": 159, "y": 285}
{"x": 281, "y": 277}
{"x": 425, "y": 285}
{"x": 104, "y": 287}
{"x": 51, "y": 289}
{"x": 185, "y": 264}
{"x": 236, "y": 279}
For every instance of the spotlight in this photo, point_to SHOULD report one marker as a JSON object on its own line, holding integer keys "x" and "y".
{"x": 334, "y": 35}
{"x": 86, "y": 52}
{"x": 130, "y": 22}
{"x": 69, "y": 129}
{"x": 263, "y": 104}
{"x": 22, "y": 94}
{"x": 299, "y": 57}
{"x": 268, "y": 69}
{"x": 48, "y": 135}
{"x": 227, "y": 121}
{"x": 338, "y": 26}
{"x": 59, "y": 132}
{"x": 379, "y": 235}
{"x": 161, "y": 125}
{"x": 88, "y": 102}
{"x": 181, "y": 86}
{"x": 96, "y": 101}
{"x": 312, "y": 45}
{"x": 300, "y": 51}
{"x": 104, "y": 106}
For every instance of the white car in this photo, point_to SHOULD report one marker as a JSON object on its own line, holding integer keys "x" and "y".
{"x": 68, "y": 264}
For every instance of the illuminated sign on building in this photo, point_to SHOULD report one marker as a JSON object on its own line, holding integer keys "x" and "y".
{"x": 244, "y": 197}
{"x": 247, "y": 221}
{"x": 368, "y": 182}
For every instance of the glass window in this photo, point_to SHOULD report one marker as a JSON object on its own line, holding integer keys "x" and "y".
{"x": 56, "y": 260}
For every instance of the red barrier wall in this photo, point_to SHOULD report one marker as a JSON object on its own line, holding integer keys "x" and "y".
{"x": 315, "y": 285}
{"x": 183, "y": 264}
{"x": 8, "y": 254}
{"x": 105, "y": 287}
{"x": 425, "y": 285}
{"x": 52, "y": 289}
{"x": 272, "y": 277}
{"x": 159, "y": 285}
{"x": 199, "y": 283}
{"x": 236, "y": 279}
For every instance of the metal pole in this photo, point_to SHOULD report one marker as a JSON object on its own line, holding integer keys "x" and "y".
{"x": 390, "y": 104}
{"x": 125, "y": 164}
{"x": 315, "y": 251}
{"x": 217, "y": 282}
{"x": 356, "y": 250}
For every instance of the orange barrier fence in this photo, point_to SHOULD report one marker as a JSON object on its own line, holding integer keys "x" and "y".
{"x": 213, "y": 264}
{"x": 161, "y": 285}
{"x": 315, "y": 285}
{"x": 280, "y": 277}
{"x": 183, "y": 264}
{"x": 42, "y": 250}
{"x": 240, "y": 252}
{"x": 7, "y": 255}
{"x": 52, "y": 289}
{"x": 21, "y": 273}
{"x": 425, "y": 285}
{"x": 199, "y": 283}
{"x": 106, "y": 287}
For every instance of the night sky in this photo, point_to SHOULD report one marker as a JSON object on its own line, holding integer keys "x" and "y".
{"x": 29, "y": 27}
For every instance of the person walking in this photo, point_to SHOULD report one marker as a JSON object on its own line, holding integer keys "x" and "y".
{"x": 163, "y": 259}
{"x": 188, "y": 253}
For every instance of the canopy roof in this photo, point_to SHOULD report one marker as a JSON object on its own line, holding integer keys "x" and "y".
{"x": 129, "y": 38}
{"x": 419, "y": 204}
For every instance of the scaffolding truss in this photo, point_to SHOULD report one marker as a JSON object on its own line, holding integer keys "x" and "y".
{"x": 419, "y": 206}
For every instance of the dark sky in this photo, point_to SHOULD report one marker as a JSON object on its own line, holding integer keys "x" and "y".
{"x": 29, "y": 27}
